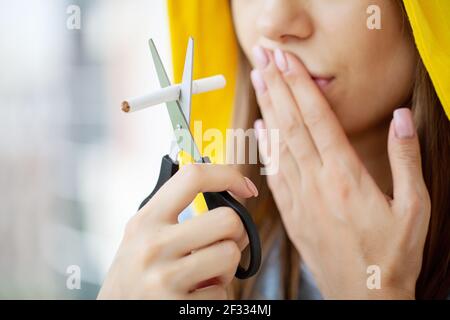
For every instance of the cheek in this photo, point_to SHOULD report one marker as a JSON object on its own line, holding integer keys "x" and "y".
{"x": 244, "y": 19}
{"x": 378, "y": 79}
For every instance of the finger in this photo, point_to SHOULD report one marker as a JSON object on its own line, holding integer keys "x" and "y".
{"x": 262, "y": 139}
{"x": 323, "y": 125}
{"x": 281, "y": 192}
{"x": 284, "y": 169}
{"x": 283, "y": 161}
{"x": 284, "y": 153}
{"x": 263, "y": 98}
{"x": 270, "y": 143}
{"x": 179, "y": 191}
{"x": 405, "y": 160}
{"x": 219, "y": 224}
{"x": 277, "y": 181}
{"x": 243, "y": 241}
{"x": 288, "y": 115}
{"x": 268, "y": 148}
{"x": 216, "y": 292}
{"x": 217, "y": 260}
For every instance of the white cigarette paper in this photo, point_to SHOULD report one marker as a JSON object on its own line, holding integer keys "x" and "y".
{"x": 172, "y": 93}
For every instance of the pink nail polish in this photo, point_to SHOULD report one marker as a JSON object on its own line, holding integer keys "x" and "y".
{"x": 258, "y": 81}
{"x": 280, "y": 60}
{"x": 258, "y": 126}
{"x": 251, "y": 186}
{"x": 403, "y": 123}
{"x": 261, "y": 58}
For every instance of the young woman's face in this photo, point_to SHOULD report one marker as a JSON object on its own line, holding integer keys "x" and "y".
{"x": 365, "y": 74}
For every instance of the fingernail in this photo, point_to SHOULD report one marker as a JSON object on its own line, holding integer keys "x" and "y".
{"x": 403, "y": 123}
{"x": 261, "y": 59}
{"x": 258, "y": 81}
{"x": 258, "y": 126}
{"x": 251, "y": 186}
{"x": 280, "y": 60}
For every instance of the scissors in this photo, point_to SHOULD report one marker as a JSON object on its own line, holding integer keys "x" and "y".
{"x": 179, "y": 112}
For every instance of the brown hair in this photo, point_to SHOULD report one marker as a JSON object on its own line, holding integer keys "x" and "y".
{"x": 434, "y": 134}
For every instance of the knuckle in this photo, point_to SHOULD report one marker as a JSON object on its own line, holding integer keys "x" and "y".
{"x": 164, "y": 276}
{"x": 313, "y": 117}
{"x": 408, "y": 155}
{"x": 302, "y": 155}
{"x": 231, "y": 221}
{"x": 191, "y": 171}
{"x": 156, "y": 246}
{"x": 153, "y": 280}
{"x": 245, "y": 241}
{"x": 132, "y": 227}
{"x": 168, "y": 275}
{"x": 231, "y": 252}
{"x": 415, "y": 204}
{"x": 344, "y": 191}
{"x": 233, "y": 174}
{"x": 153, "y": 250}
{"x": 192, "y": 264}
{"x": 291, "y": 78}
{"x": 327, "y": 147}
{"x": 284, "y": 148}
{"x": 291, "y": 128}
{"x": 342, "y": 172}
{"x": 342, "y": 185}
{"x": 334, "y": 174}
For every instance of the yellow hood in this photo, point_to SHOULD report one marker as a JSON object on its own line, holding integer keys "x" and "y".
{"x": 431, "y": 27}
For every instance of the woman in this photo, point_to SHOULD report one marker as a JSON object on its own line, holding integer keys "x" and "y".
{"x": 354, "y": 192}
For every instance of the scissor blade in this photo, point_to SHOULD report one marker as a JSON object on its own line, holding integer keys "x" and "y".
{"x": 186, "y": 85}
{"x": 161, "y": 72}
{"x": 180, "y": 126}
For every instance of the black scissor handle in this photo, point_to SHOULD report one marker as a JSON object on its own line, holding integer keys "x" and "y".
{"x": 224, "y": 199}
{"x": 168, "y": 169}
{"x": 215, "y": 200}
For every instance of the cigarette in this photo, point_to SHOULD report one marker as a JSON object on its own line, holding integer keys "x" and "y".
{"x": 172, "y": 93}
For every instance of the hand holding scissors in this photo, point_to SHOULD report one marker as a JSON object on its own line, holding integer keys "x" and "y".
{"x": 179, "y": 113}
{"x": 160, "y": 258}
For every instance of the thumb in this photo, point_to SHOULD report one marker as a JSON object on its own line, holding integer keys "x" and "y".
{"x": 405, "y": 160}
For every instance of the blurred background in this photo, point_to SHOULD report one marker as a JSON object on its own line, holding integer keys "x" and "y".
{"x": 73, "y": 167}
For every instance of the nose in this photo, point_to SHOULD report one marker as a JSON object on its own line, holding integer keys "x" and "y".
{"x": 281, "y": 20}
